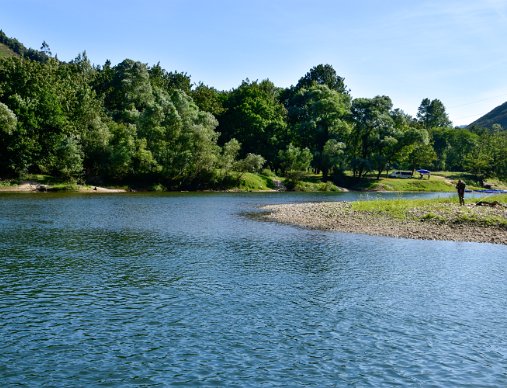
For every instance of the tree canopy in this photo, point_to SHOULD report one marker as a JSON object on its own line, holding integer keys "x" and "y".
{"x": 136, "y": 123}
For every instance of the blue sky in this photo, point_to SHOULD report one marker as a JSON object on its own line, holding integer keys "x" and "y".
{"x": 453, "y": 50}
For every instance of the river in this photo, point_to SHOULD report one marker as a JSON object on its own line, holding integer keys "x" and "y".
{"x": 189, "y": 289}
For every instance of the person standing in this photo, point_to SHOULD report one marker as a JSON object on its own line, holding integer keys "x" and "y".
{"x": 461, "y": 191}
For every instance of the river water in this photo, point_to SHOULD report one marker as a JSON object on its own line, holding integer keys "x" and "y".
{"x": 187, "y": 289}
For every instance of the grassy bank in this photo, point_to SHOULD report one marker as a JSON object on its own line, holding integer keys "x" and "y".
{"x": 436, "y": 219}
{"x": 269, "y": 181}
{"x": 43, "y": 183}
{"x": 440, "y": 181}
{"x": 440, "y": 210}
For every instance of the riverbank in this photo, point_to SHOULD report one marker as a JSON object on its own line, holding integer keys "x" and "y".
{"x": 35, "y": 187}
{"x": 415, "y": 219}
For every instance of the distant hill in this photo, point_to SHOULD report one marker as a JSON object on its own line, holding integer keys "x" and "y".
{"x": 496, "y": 116}
{"x": 13, "y": 47}
{"x": 6, "y": 52}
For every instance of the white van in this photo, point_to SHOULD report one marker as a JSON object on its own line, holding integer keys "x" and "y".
{"x": 400, "y": 174}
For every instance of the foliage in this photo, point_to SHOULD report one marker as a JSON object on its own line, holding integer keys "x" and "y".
{"x": 373, "y": 129}
{"x": 254, "y": 116}
{"x": 295, "y": 159}
{"x": 138, "y": 124}
{"x": 432, "y": 114}
{"x": 317, "y": 115}
{"x": 488, "y": 158}
{"x": 323, "y": 75}
{"x": 250, "y": 163}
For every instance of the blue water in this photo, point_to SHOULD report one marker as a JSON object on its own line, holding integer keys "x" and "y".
{"x": 187, "y": 289}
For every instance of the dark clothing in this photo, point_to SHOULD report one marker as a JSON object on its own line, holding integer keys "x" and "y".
{"x": 461, "y": 192}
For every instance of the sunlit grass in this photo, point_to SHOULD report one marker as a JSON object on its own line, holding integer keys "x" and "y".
{"x": 254, "y": 182}
{"x": 442, "y": 210}
{"x": 6, "y": 52}
{"x": 312, "y": 186}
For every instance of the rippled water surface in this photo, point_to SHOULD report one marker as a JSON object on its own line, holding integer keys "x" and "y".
{"x": 156, "y": 290}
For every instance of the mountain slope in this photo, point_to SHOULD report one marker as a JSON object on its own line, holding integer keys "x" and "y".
{"x": 6, "y": 52}
{"x": 496, "y": 116}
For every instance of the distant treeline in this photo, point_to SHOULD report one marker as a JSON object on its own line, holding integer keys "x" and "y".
{"x": 138, "y": 123}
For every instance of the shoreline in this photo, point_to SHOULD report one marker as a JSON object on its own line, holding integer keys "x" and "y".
{"x": 34, "y": 187}
{"x": 340, "y": 217}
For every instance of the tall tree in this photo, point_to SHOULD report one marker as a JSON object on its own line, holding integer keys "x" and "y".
{"x": 489, "y": 158}
{"x": 254, "y": 116}
{"x": 372, "y": 125}
{"x": 129, "y": 91}
{"x": 431, "y": 114}
{"x": 323, "y": 75}
{"x": 209, "y": 99}
{"x": 317, "y": 115}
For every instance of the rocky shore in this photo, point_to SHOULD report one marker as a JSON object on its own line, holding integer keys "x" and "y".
{"x": 340, "y": 216}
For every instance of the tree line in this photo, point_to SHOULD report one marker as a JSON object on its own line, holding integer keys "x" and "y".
{"x": 139, "y": 124}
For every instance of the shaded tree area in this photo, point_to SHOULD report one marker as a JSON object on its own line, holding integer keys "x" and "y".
{"x": 138, "y": 124}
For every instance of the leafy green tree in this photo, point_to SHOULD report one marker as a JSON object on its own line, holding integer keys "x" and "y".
{"x": 191, "y": 152}
{"x": 333, "y": 156}
{"x": 323, "y": 75}
{"x": 8, "y": 124}
{"x": 295, "y": 159}
{"x": 8, "y": 120}
{"x": 230, "y": 152}
{"x": 129, "y": 92}
{"x": 251, "y": 163}
{"x": 122, "y": 147}
{"x": 39, "y": 95}
{"x": 441, "y": 140}
{"x": 461, "y": 143}
{"x": 209, "y": 99}
{"x": 431, "y": 114}
{"x": 373, "y": 126}
{"x": 403, "y": 139}
{"x": 489, "y": 158}
{"x": 169, "y": 80}
{"x": 317, "y": 115}
{"x": 295, "y": 162}
{"x": 421, "y": 155}
{"x": 254, "y": 116}
{"x": 67, "y": 160}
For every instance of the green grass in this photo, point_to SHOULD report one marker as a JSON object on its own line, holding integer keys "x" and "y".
{"x": 435, "y": 183}
{"x": 398, "y": 208}
{"x": 442, "y": 210}
{"x": 6, "y": 183}
{"x": 440, "y": 181}
{"x": 255, "y": 182}
{"x": 6, "y": 52}
{"x": 311, "y": 186}
{"x": 64, "y": 187}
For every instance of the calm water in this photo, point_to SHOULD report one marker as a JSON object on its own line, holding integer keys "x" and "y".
{"x": 157, "y": 290}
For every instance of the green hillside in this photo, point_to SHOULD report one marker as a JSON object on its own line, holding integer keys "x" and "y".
{"x": 6, "y": 52}
{"x": 496, "y": 116}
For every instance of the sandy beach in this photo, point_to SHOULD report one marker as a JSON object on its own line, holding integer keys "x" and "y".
{"x": 339, "y": 216}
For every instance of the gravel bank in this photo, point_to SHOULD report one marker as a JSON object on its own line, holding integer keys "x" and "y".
{"x": 339, "y": 216}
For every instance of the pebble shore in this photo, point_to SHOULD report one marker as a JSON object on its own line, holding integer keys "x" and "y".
{"x": 339, "y": 216}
